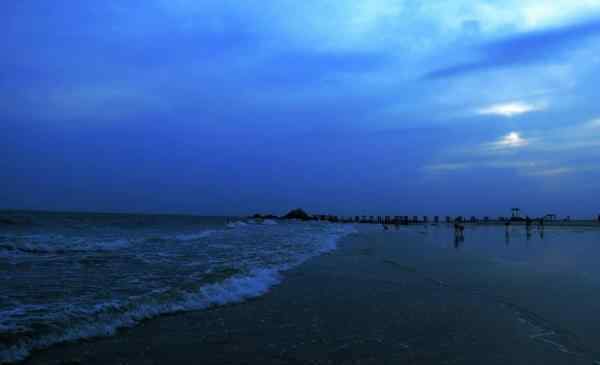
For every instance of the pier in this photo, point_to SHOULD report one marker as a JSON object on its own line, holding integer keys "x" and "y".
{"x": 517, "y": 217}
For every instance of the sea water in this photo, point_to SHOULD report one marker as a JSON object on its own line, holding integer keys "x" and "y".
{"x": 68, "y": 276}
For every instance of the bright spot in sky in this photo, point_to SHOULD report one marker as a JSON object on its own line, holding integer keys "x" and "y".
{"x": 509, "y": 109}
{"x": 512, "y": 140}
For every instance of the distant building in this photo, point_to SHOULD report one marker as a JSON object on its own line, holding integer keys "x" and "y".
{"x": 516, "y": 212}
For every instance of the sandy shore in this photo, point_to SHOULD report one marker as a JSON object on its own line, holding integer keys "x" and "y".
{"x": 381, "y": 298}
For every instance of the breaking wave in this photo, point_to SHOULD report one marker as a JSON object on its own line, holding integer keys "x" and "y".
{"x": 106, "y": 318}
{"x": 160, "y": 277}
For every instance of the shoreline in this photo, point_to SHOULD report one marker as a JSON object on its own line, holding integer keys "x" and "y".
{"x": 381, "y": 297}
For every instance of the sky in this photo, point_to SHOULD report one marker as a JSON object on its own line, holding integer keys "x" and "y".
{"x": 380, "y": 107}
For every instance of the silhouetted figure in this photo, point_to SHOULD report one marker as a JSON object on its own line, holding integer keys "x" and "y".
{"x": 459, "y": 230}
{"x": 457, "y": 241}
{"x": 507, "y": 237}
{"x": 528, "y": 226}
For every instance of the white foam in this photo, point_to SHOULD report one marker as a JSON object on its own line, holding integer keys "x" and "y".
{"x": 236, "y": 224}
{"x": 232, "y": 290}
{"x": 194, "y": 236}
{"x": 103, "y": 319}
{"x": 236, "y": 289}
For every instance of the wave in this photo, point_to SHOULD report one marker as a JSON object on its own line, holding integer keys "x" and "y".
{"x": 236, "y": 224}
{"x": 43, "y": 245}
{"x": 217, "y": 286}
{"x": 194, "y": 236}
{"x": 106, "y": 318}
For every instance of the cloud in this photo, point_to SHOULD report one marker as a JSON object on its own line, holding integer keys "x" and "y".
{"x": 523, "y": 49}
{"x": 593, "y": 124}
{"x": 446, "y": 167}
{"x": 528, "y": 168}
{"x": 511, "y": 140}
{"x": 542, "y": 153}
{"x": 557, "y": 171}
{"x": 510, "y": 109}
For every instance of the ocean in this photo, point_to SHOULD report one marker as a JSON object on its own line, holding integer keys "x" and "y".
{"x": 70, "y": 276}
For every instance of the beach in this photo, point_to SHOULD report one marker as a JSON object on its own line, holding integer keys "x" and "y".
{"x": 412, "y": 296}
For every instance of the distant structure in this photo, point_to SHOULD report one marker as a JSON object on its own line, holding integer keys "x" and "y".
{"x": 516, "y": 212}
{"x": 550, "y": 217}
{"x": 448, "y": 219}
{"x": 436, "y": 219}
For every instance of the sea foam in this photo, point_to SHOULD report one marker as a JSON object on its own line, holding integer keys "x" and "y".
{"x": 256, "y": 268}
{"x": 106, "y": 318}
{"x": 194, "y": 236}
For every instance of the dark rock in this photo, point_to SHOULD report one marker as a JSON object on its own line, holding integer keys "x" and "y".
{"x": 298, "y": 214}
{"x": 267, "y": 216}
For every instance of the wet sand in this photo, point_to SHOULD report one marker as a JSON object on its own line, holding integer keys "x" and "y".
{"x": 384, "y": 297}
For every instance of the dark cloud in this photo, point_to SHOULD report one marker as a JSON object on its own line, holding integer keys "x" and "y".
{"x": 523, "y": 49}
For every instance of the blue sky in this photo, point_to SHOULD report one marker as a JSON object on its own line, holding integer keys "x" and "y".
{"x": 347, "y": 107}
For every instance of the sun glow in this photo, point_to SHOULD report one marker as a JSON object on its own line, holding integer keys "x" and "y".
{"x": 509, "y": 110}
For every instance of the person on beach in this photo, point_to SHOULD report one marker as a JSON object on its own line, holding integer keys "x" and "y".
{"x": 459, "y": 230}
{"x": 457, "y": 241}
